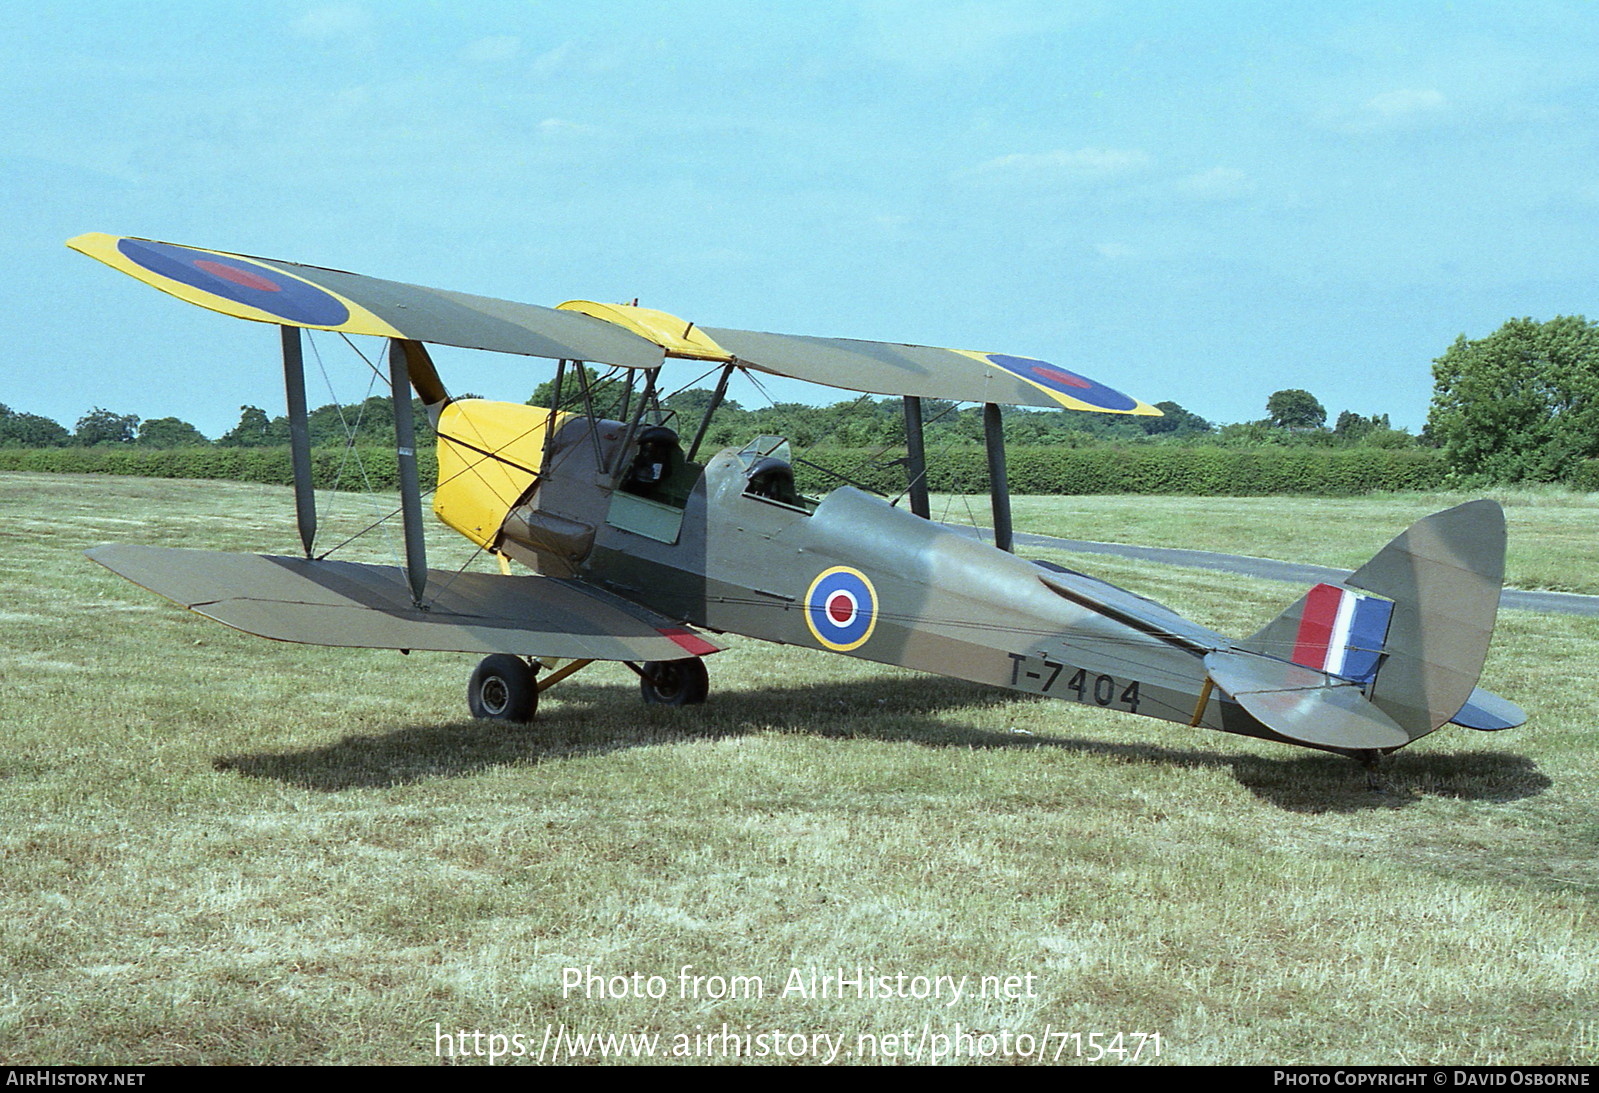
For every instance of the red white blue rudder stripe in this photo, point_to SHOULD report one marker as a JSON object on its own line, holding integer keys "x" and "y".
{"x": 1342, "y": 632}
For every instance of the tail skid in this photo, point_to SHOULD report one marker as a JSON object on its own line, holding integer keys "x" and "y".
{"x": 1392, "y": 653}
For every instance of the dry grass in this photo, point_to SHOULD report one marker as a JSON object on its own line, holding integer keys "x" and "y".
{"x": 218, "y": 849}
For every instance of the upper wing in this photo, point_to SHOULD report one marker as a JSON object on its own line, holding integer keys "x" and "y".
{"x": 273, "y": 291}
{"x": 270, "y": 291}
{"x": 369, "y": 606}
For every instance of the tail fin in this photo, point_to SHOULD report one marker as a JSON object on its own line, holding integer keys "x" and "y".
{"x": 1417, "y": 644}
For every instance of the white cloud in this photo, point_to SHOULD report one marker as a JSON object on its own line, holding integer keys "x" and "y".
{"x": 334, "y": 21}
{"x": 1082, "y": 165}
{"x": 1216, "y": 184}
{"x": 493, "y": 50}
{"x": 935, "y": 36}
{"x": 570, "y": 58}
{"x": 1405, "y": 103}
{"x": 1400, "y": 109}
{"x": 552, "y": 127}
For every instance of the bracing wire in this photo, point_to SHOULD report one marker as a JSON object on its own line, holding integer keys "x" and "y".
{"x": 349, "y": 445}
{"x": 934, "y": 420}
{"x": 697, "y": 379}
{"x": 352, "y": 432}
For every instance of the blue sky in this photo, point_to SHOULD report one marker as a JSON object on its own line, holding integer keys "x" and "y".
{"x": 1201, "y": 202}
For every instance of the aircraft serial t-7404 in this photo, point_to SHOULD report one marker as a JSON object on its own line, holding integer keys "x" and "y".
{"x": 644, "y": 552}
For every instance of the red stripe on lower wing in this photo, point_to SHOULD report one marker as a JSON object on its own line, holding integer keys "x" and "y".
{"x": 1316, "y": 625}
{"x": 695, "y": 644}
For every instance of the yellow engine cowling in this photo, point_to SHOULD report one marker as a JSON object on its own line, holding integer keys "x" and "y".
{"x": 489, "y": 455}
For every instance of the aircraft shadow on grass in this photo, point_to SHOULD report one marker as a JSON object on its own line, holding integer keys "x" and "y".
{"x": 590, "y": 721}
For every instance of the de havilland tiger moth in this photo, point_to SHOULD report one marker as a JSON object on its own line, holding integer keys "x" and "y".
{"x": 642, "y": 550}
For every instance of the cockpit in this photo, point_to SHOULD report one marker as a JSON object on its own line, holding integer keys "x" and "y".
{"x": 769, "y": 474}
{"x": 659, "y": 470}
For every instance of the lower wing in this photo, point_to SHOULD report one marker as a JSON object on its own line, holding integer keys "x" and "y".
{"x": 361, "y": 606}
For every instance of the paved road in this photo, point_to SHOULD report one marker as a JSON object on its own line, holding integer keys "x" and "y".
{"x": 1561, "y": 603}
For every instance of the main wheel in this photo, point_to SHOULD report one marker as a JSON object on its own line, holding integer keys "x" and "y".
{"x": 675, "y": 682}
{"x": 502, "y": 689}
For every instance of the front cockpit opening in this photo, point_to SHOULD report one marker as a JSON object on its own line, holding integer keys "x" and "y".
{"x": 652, "y": 466}
{"x": 659, "y": 471}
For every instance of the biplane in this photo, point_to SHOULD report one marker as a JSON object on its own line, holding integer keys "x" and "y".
{"x": 642, "y": 548}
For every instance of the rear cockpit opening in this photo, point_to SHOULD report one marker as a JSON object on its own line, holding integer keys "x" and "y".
{"x": 769, "y": 474}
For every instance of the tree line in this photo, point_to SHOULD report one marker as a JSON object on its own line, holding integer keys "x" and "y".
{"x": 370, "y": 423}
{"x": 864, "y": 422}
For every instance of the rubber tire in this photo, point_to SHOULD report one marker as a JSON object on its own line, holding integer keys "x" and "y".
{"x": 675, "y": 682}
{"x": 503, "y": 689}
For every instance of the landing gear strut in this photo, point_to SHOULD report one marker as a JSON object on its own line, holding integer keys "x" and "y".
{"x": 1371, "y": 759}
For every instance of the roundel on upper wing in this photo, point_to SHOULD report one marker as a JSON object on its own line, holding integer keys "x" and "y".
{"x": 1055, "y": 378}
{"x": 239, "y": 280}
{"x": 841, "y": 608}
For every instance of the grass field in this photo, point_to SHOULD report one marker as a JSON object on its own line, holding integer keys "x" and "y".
{"x": 223, "y": 850}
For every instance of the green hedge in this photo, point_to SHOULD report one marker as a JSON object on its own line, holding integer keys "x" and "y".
{"x": 1586, "y": 476}
{"x": 1234, "y": 472}
{"x": 329, "y": 466}
{"x": 1198, "y": 470}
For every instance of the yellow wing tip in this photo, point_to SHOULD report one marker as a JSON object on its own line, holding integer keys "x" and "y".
{"x": 94, "y": 244}
{"x": 347, "y": 316}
